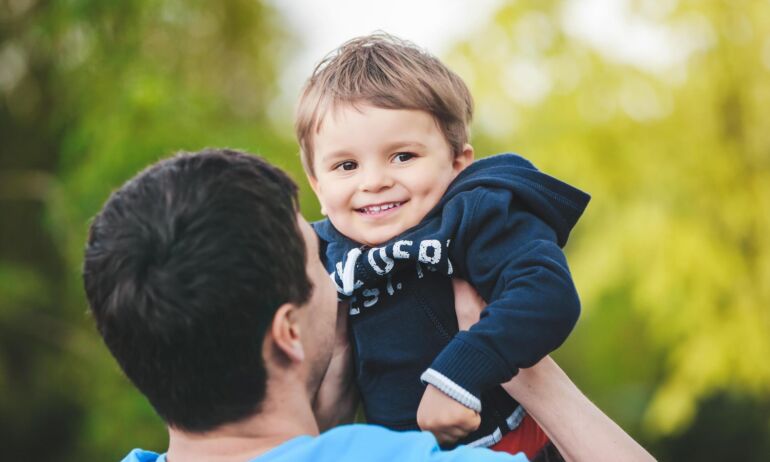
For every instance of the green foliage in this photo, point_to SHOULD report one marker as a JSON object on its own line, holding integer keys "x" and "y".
{"x": 672, "y": 258}
{"x": 107, "y": 88}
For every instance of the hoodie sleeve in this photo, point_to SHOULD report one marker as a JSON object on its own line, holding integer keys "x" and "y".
{"x": 513, "y": 260}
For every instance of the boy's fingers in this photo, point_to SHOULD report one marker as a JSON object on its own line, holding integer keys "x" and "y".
{"x": 472, "y": 423}
{"x": 455, "y": 426}
{"x": 447, "y": 437}
{"x": 452, "y": 434}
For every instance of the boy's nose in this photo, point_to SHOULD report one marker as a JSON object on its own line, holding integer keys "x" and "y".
{"x": 375, "y": 179}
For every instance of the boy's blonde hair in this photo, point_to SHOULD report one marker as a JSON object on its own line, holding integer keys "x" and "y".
{"x": 386, "y": 72}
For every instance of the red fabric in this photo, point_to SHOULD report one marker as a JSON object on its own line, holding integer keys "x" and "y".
{"x": 528, "y": 438}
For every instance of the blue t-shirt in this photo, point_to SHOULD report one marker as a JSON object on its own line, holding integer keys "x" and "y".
{"x": 361, "y": 442}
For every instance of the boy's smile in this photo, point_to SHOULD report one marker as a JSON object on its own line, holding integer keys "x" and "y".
{"x": 380, "y": 209}
{"x": 378, "y": 172}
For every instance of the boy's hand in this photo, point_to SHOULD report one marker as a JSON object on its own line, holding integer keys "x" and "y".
{"x": 447, "y": 419}
{"x": 439, "y": 414}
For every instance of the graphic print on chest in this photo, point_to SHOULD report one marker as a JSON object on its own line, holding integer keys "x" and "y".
{"x": 365, "y": 276}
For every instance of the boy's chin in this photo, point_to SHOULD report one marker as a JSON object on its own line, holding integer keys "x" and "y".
{"x": 375, "y": 239}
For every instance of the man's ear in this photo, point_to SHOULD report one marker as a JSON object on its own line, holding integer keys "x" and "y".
{"x": 285, "y": 332}
{"x": 464, "y": 159}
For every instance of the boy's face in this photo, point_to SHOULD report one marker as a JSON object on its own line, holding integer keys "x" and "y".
{"x": 378, "y": 172}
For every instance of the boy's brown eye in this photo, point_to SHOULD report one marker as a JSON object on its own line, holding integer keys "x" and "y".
{"x": 348, "y": 165}
{"x": 404, "y": 156}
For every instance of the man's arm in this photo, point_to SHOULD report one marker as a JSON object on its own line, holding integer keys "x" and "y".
{"x": 337, "y": 397}
{"x": 579, "y": 429}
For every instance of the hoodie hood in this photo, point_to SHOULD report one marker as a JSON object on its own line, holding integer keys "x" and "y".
{"x": 553, "y": 201}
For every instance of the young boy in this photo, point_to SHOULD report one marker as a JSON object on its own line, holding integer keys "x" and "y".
{"x": 383, "y": 130}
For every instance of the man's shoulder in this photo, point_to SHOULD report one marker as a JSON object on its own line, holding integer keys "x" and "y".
{"x": 361, "y": 442}
{"x": 140, "y": 455}
{"x": 370, "y": 442}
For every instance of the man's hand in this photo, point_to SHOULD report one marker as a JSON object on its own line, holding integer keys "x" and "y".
{"x": 447, "y": 419}
{"x": 337, "y": 397}
{"x": 468, "y": 304}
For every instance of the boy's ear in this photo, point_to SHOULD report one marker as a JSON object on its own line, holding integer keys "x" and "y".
{"x": 285, "y": 332}
{"x": 314, "y": 186}
{"x": 313, "y": 182}
{"x": 464, "y": 159}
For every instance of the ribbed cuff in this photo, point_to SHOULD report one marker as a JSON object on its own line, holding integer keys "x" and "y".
{"x": 470, "y": 369}
{"x": 451, "y": 389}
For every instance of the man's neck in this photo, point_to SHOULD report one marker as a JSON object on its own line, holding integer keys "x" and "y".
{"x": 281, "y": 419}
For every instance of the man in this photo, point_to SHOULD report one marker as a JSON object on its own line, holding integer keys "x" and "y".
{"x": 206, "y": 285}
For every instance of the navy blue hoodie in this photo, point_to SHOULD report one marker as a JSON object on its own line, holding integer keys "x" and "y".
{"x": 500, "y": 225}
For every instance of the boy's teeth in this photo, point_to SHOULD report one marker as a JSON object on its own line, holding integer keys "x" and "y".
{"x": 378, "y": 208}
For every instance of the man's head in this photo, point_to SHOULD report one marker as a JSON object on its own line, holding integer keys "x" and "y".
{"x": 200, "y": 274}
{"x": 350, "y": 124}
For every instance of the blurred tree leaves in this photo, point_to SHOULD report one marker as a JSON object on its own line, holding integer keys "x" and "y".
{"x": 91, "y": 92}
{"x": 672, "y": 258}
